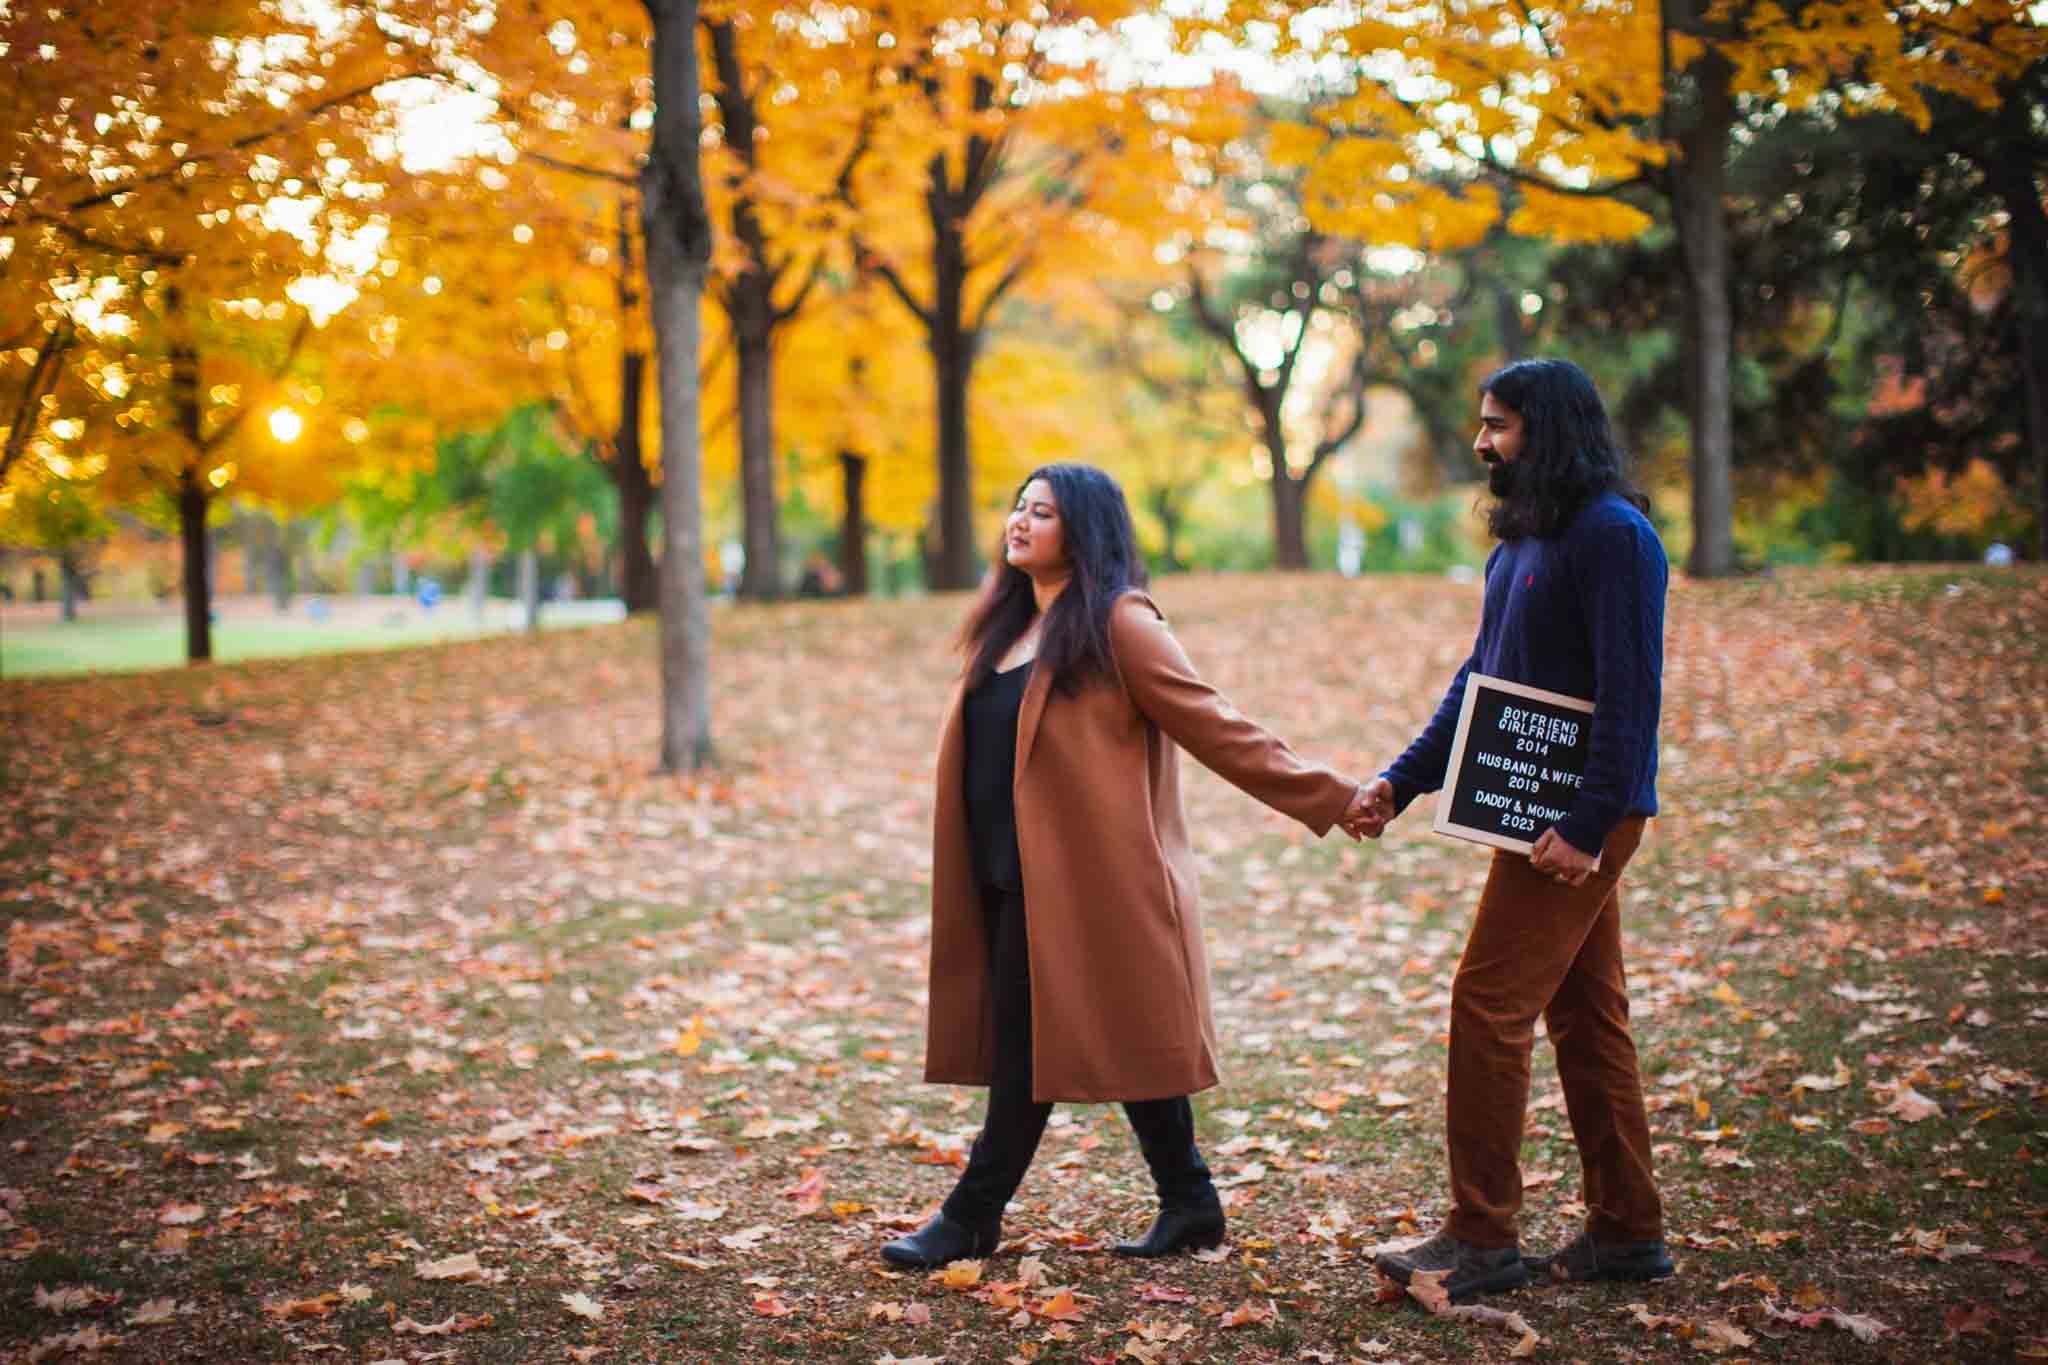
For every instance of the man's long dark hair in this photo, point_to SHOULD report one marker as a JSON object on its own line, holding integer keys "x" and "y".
{"x": 1102, "y": 546}
{"x": 1569, "y": 452}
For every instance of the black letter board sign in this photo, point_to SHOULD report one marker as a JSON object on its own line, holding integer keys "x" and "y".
{"x": 1516, "y": 763}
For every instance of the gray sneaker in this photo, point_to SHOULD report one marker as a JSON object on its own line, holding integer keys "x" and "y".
{"x": 1473, "y": 1270}
{"x": 1582, "y": 1258}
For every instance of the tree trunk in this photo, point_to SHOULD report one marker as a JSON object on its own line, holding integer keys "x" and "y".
{"x": 2034, "y": 356}
{"x": 750, "y": 303}
{"x": 754, "y": 340}
{"x": 678, "y": 235}
{"x": 1699, "y": 196}
{"x": 529, "y": 588}
{"x": 478, "y": 589}
{"x": 638, "y": 584}
{"x": 952, "y": 347}
{"x": 1290, "y": 496}
{"x": 193, "y": 501}
{"x": 853, "y": 523}
{"x": 192, "y": 493}
{"x": 277, "y": 561}
{"x": 1290, "y": 521}
{"x": 1166, "y": 506}
{"x": 72, "y": 583}
{"x": 1507, "y": 320}
{"x": 2011, "y": 175}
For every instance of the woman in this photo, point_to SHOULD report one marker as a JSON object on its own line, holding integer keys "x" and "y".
{"x": 1067, "y": 959}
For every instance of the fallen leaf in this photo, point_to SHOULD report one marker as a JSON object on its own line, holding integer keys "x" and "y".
{"x": 85, "y": 1341}
{"x": 583, "y": 1306}
{"x": 959, "y": 1275}
{"x": 746, "y": 1239}
{"x": 1910, "y": 1106}
{"x": 1426, "y": 1287}
{"x": 1719, "y": 1336}
{"x": 1061, "y": 1307}
{"x": 1863, "y": 1328}
{"x": 809, "y": 1190}
{"x": 74, "y": 1298}
{"x": 1969, "y": 1319}
{"x": 407, "y": 1327}
{"x": 463, "y": 1267}
{"x": 1654, "y": 1322}
{"x": 1834, "y": 1081}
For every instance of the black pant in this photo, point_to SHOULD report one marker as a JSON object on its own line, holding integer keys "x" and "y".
{"x": 1009, "y": 1135}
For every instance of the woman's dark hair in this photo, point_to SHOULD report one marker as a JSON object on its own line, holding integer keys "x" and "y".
{"x": 1102, "y": 546}
{"x": 1569, "y": 452}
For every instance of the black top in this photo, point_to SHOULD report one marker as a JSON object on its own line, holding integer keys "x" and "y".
{"x": 990, "y": 712}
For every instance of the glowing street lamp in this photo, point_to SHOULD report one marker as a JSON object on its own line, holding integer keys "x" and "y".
{"x": 286, "y": 425}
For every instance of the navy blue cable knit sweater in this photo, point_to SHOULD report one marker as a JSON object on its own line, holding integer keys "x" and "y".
{"x": 1581, "y": 614}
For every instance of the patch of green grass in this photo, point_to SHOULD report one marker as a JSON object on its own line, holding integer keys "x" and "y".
{"x": 1907, "y": 586}
{"x": 130, "y": 642}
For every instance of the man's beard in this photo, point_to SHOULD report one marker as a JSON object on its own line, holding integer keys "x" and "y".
{"x": 1501, "y": 477}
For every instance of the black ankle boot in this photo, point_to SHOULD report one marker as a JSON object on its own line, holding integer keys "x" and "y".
{"x": 1195, "y": 1225}
{"x": 941, "y": 1240}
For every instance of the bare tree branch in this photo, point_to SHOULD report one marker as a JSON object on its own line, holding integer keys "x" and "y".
{"x": 227, "y": 429}
{"x": 1361, "y": 372}
{"x": 1304, "y": 272}
{"x": 298, "y": 120}
{"x": 1213, "y": 322}
{"x": 803, "y": 293}
{"x": 1018, "y": 269}
{"x": 1530, "y": 20}
{"x": 28, "y": 410}
{"x": 555, "y": 163}
{"x": 894, "y": 279}
{"x": 86, "y": 239}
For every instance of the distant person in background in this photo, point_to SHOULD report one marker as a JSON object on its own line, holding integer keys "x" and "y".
{"x": 1574, "y": 604}
{"x": 1067, "y": 960}
{"x": 820, "y": 577}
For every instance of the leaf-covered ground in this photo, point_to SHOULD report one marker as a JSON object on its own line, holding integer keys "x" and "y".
{"x": 385, "y": 1008}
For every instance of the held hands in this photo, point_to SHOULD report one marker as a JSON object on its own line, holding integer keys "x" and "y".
{"x": 1558, "y": 860}
{"x": 1371, "y": 808}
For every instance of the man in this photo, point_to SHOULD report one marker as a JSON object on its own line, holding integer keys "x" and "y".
{"x": 1574, "y": 604}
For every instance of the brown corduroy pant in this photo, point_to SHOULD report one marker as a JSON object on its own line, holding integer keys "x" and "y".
{"x": 1541, "y": 948}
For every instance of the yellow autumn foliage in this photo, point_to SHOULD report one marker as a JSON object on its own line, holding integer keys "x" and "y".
{"x": 1971, "y": 501}
{"x": 1568, "y": 218}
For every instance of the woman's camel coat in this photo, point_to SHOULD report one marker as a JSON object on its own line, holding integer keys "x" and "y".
{"x": 1119, "y": 977}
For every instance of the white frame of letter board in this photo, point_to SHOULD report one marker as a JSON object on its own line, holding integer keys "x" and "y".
{"x": 1447, "y": 797}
